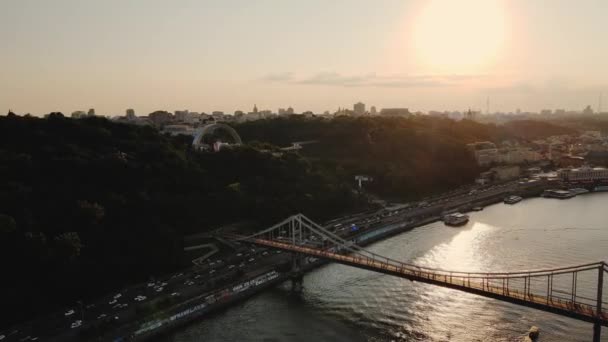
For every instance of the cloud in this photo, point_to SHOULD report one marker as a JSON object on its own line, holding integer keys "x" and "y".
{"x": 373, "y": 80}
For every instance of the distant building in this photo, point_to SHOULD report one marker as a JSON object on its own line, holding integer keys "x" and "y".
{"x": 130, "y": 115}
{"x": 546, "y": 112}
{"x": 584, "y": 174}
{"x": 282, "y": 111}
{"x": 402, "y": 112}
{"x": 587, "y": 110}
{"x": 290, "y": 111}
{"x": 160, "y": 117}
{"x": 485, "y": 152}
{"x": 359, "y": 108}
{"x": 91, "y": 112}
{"x": 373, "y": 110}
{"x": 78, "y": 114}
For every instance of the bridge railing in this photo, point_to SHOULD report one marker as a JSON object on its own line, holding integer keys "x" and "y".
{"x": 558, "y": 285}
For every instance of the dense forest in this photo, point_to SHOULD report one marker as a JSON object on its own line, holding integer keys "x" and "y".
{"x": 408, "y": 158}
{"x": 89, "y": 205}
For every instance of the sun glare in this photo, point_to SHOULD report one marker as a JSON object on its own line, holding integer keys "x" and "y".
{"x": 459, "y": 36}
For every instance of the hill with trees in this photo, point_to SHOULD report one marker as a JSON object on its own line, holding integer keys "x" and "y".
{"x": 88, "y": 205}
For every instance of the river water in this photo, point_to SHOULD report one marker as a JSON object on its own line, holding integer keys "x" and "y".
{"x": 340, "y": 303}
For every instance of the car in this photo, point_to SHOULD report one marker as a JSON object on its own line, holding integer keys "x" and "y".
{"x": 251, "y": 260}
{"x": 117, "y": 306}
{"x": 151, "y": 284}
{"x": 239, "y": 254}
{"x": 103, "y": 315}
{"x": 69, "y": 312}
{"x": 241, "y": 265}
{"x": 112, "y": 302}
{"x": 35, "y": 338}
{"x": 231, "y": 267}
{"x": 175, "y": 294}
{"x": 159, "y": 289}
{"x": 118, "y": 296}
{"x": 266, "y": 253}
{"x": 212, "y": 271}
{"x": 2, "y": 337}
{"x": 76, "y": 324}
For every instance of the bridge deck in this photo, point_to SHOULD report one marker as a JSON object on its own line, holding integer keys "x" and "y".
{"x": 477, "y": 285}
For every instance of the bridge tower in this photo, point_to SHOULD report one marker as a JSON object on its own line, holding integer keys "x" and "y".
{"x": 296, "y": 274}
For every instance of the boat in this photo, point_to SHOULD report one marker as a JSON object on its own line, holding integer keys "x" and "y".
{"x": 513, "y": 199}
{"x": 557, "y": 193}
{"x": 455, "y": 219}
{"x": 578, "y": 191}
{"x": 601, "y": 188}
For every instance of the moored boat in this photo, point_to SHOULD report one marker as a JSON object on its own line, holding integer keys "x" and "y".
{"x": 557, "y": 193}
{"x": 456, "y": 219}
{"x": 513, "y": 199}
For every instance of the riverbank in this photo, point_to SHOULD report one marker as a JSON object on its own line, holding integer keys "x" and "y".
{"x": 197, "y": 307}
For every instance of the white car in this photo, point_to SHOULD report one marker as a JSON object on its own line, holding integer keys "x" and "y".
{"x": 231, "y": 267}
{"x": 76, "y": 324}
{"x": 159, "y": 289}
{"x": 112, "y": 302}
{"x": 140, "y": 298}
{"x": 212, "y": 271}
{"x": 118, "y": 296}
{"x": 2, "y": 337}
{"x": 251, "y": 260}
{"x": 175, "y": 294}
{"x": 69, "y": 312}
{"x": 101, "y": 316}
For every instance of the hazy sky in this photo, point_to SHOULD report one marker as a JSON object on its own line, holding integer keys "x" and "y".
{"x": 204, "y": 55}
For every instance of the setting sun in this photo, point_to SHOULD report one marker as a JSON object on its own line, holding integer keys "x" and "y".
{"x": 457, "y": 36}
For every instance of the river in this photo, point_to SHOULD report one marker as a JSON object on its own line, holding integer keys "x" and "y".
{"x": 340, "y": 303}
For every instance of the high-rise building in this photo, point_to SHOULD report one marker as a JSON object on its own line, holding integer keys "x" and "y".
{"x": 290, "y": 111}
{"x": 359, "y": 108}
{"x": 373, "y": 110}
{"x": 130, "y": 114}
{"x": 255, "y": 108}
{"x": 91, "y": 112}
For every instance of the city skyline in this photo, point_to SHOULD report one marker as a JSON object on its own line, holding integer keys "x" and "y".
{"x": 67, "y": 55}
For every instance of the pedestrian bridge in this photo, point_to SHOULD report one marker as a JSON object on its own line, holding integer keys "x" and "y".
{"x": 573, "y": 291}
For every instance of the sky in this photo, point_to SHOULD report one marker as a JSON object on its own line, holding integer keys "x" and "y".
{"x": 227, "y": 55}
